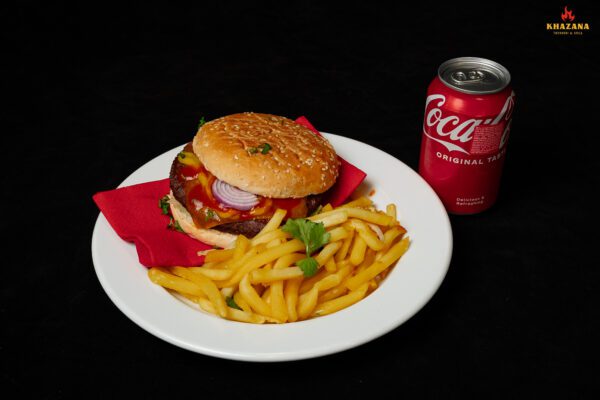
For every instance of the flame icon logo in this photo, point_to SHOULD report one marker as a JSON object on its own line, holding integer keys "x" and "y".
{"x": 567, "y": 15}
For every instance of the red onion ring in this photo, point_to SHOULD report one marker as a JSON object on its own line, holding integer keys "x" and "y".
{"x": 233, "y": 197}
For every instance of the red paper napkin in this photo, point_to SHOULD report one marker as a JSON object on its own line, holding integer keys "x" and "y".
{"x": 133, "y": 213}
{"x": 348, "y": 180}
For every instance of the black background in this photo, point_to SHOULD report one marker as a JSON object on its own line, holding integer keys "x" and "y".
{"x": 94, "y": 92}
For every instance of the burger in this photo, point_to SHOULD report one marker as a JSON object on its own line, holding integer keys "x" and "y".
{"x": 239, "y": 169}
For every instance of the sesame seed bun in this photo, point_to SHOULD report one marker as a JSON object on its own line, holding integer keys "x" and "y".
{"x": 298, "y": 163}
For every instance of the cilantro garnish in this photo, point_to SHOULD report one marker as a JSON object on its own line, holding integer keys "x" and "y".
{"x": 231, "y": 303}
{"x": 178, "y": 227}
{"x": 262, "y": 148}
{"x": 174, "y": 225}
{"x": 201, "y": 122}
{"x": 163, "y": 204}
{"x": 309, "y": 266}
{"x": 210, "y": 214}
{"x": 313, "y": 235}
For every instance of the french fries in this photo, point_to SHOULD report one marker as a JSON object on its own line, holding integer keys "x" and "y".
{"x": 275, "y": 278}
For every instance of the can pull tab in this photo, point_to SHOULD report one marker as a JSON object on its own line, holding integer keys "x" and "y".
{"x": 474, "y": 75}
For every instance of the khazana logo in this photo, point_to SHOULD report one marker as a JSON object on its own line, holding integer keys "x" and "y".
{"x": 567, "y": 15}
{"x": 568, "y": 26}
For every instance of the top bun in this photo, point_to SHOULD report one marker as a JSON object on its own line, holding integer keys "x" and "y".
{"x": 298, "y": 163}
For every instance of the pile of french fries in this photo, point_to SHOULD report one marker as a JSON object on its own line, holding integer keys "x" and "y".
{"x": 257, "y": 281}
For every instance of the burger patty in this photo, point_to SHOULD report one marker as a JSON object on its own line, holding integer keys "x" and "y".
{"x": 249, "y": 228}
{"x": 177, "y": 186}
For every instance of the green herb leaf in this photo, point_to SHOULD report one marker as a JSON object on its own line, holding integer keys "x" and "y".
{"x": 209, "y": 214}
{"x": 312, "y": 234}
{"x": 163, "y": 204}
{"x": 309, "y": 266}
{"x": 178, "y": 227}
{"x": 201, "y": 122}
{"x": 174, "y": 225}
{"x": 231, "y": 303}
{"x": 262, "y": 148}
{"x": 265, "y": 147}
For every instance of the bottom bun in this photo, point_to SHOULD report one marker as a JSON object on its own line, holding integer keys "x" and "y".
{"x": 208, "y": 236}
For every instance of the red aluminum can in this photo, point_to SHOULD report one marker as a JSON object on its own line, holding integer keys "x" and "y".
{"x": 468, "y": 113}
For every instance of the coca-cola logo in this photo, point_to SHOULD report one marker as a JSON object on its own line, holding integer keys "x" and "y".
{"x": 454, "y": 133}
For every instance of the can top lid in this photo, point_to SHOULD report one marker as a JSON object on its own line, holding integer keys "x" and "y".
{"x": 474, "y": 75}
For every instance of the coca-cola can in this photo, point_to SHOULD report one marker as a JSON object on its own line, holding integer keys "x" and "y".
{"x": 468, "y": 113}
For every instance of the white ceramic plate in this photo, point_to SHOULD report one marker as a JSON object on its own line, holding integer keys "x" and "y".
{"x": 405, "y": 291}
